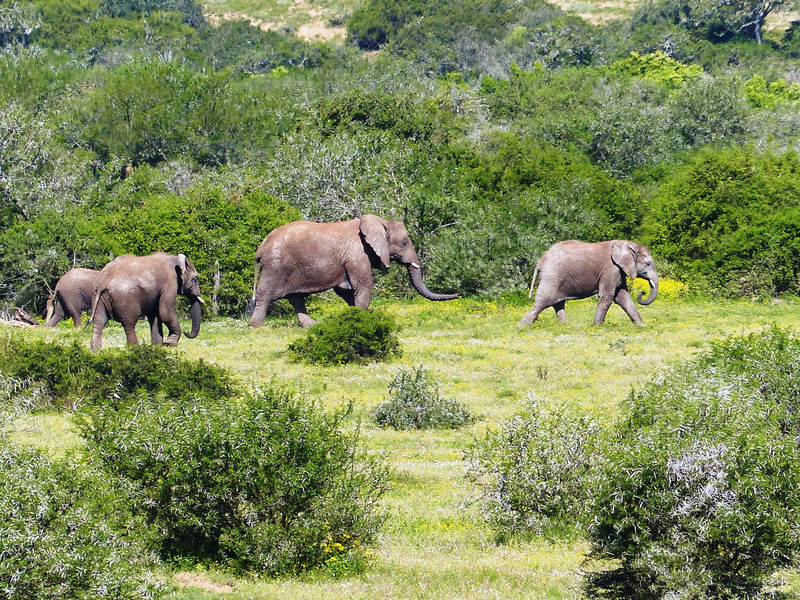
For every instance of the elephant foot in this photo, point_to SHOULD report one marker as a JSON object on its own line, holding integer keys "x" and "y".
{"x": 306, "y": 321}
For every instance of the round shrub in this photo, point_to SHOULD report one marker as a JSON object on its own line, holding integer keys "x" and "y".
{"x": 416, "y": 402}
{"x": 537, "y": 473}
{"x": 353, "y": 335}
{"x": 66, "y": 533}
{"x": 700, "y": 495}
{"x": 261, "y": 484}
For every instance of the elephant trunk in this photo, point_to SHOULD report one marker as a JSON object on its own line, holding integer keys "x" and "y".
{"x": 653, "y": 293}
{"x": 194, "y": 313}
{"x": 415, "y": 273}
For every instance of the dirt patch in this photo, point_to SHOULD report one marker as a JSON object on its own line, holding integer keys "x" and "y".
{"x": 313, "y": 30}
{"x": 196, "y": 580}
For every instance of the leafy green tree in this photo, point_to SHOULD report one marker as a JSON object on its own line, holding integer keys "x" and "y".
{"x": 150, "y": 110}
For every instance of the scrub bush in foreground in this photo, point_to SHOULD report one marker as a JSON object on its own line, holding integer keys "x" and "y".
{"x": 262, "y": 484}
{"x": 416, "y": 402}
{"x": 700, "y": 495}
{"x": 66, "y": 533}
{"x": 536, "y": 474}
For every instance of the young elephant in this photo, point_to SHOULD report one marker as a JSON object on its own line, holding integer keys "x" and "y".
{"x": 303, "y": 258}
{"x": 571, "y": 270}
{"x": 131, "y": 287}
{"x": 73, "y": 295}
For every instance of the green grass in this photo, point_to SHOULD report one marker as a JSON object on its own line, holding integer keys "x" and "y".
{"x": 433, "y": 546}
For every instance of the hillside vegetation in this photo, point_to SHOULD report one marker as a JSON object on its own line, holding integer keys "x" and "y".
{"x": 491, "y": 129}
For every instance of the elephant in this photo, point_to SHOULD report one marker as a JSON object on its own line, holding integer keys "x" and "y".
{"x": 131, "y": 287}
{"x": 303, "y": 258}
{"x": 73, "y": 295}
{"x": 572, "y": 269}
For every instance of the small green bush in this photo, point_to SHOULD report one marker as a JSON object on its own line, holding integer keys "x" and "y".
{"x": 700, "y": 495}
{"x": 416, "y": 402}
{"x": 537, "y": 474}
{"x": 262, "y": 484}
{"x": 66, "y": 532}
{"x": 352, "y": 335}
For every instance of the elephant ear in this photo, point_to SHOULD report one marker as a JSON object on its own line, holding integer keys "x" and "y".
{"x": 374, "y": 230}
{"x": 180, "y": 271}
{"x": 623, "y": 255}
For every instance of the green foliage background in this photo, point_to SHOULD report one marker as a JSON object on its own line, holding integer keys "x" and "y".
{"x": 491, "y": 130}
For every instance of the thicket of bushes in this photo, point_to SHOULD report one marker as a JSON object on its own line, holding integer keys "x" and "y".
{"x": 491, "y": 130}
{"x": 178, "y": 464}
{"x": 711, "y": 446}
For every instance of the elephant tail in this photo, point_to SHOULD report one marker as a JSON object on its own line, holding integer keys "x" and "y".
{"x": 256, "y": 276}
{"x": 51, "y": 305}
{"x": 95, "y": 304}
{"x": 533, "y": 281}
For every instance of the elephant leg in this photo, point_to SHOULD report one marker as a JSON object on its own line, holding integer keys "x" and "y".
{"x": 260, "y": 311}
{"x": 533, "y": 313}
{"x": 169, "y": 317}
{"x": 76, "y": 318}
{"x": 130, "y": 332}
{"x": 623, "y": 298}
{"x": 346, "y": 294}
{"x": 298, "y": 302}
{"x": 603, "y": 304}
{"x": 156, "y": 330}
{"x": 362, "y": 296}
{"x": 100, "y": 320}
{"x": 561, "y": 313}
{"x": 58, "y": 314}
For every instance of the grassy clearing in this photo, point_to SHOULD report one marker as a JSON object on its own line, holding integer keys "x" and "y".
{"x": 433, "y": 545}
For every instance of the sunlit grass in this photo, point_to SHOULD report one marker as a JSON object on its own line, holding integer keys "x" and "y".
{"x": 433, "y": 544}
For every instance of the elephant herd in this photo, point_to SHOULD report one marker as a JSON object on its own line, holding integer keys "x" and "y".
{"x": 303, "y": 258}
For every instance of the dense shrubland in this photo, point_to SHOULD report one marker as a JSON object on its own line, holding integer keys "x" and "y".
{"x": 184, "y": 468}
{"x": 491, "y": 132}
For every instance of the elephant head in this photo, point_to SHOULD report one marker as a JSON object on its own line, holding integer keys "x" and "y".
{"x": 636, "y": 261}
{"x": 189, "y": 286}
{"x": 390, "y": 242}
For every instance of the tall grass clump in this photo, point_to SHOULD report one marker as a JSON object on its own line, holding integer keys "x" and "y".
{"x": 700, "y": 495}
{"x": 536, "y": 475}
{"x": 416, "y": 402}
{"x": 352, "y": 335}
{"x": 263, "y": 483}
{"x": 66, "y": 532}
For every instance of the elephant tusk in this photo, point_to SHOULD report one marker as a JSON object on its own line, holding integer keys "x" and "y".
{"x": 415, "y": 265}
{"x": 200, "y": 300}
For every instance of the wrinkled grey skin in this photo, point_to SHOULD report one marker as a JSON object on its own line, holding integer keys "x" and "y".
{"x": 73, "y": 295}
{"x": 571, "y": 270}
{"x": 131, "y": 287}
{"x": 303, "y": 258}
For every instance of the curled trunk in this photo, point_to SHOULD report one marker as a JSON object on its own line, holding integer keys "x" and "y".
{"x": 194, "y": 313}
{"x": 416, "y": 280}
{"x": 652, "y": 296}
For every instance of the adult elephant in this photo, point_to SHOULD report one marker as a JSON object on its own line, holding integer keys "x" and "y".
{"x": 572, "y": 269}
{"x": 73, "y": 295}
{"x": 131, "y": 287}
{"x": 303, "y": 258}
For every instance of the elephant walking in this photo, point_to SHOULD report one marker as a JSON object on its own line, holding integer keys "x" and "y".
{"x": 571, "y": 270}
{"x": 73, "y": 295}
{"x": 303, "y": 258}
{"x": 131, "y": 287}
